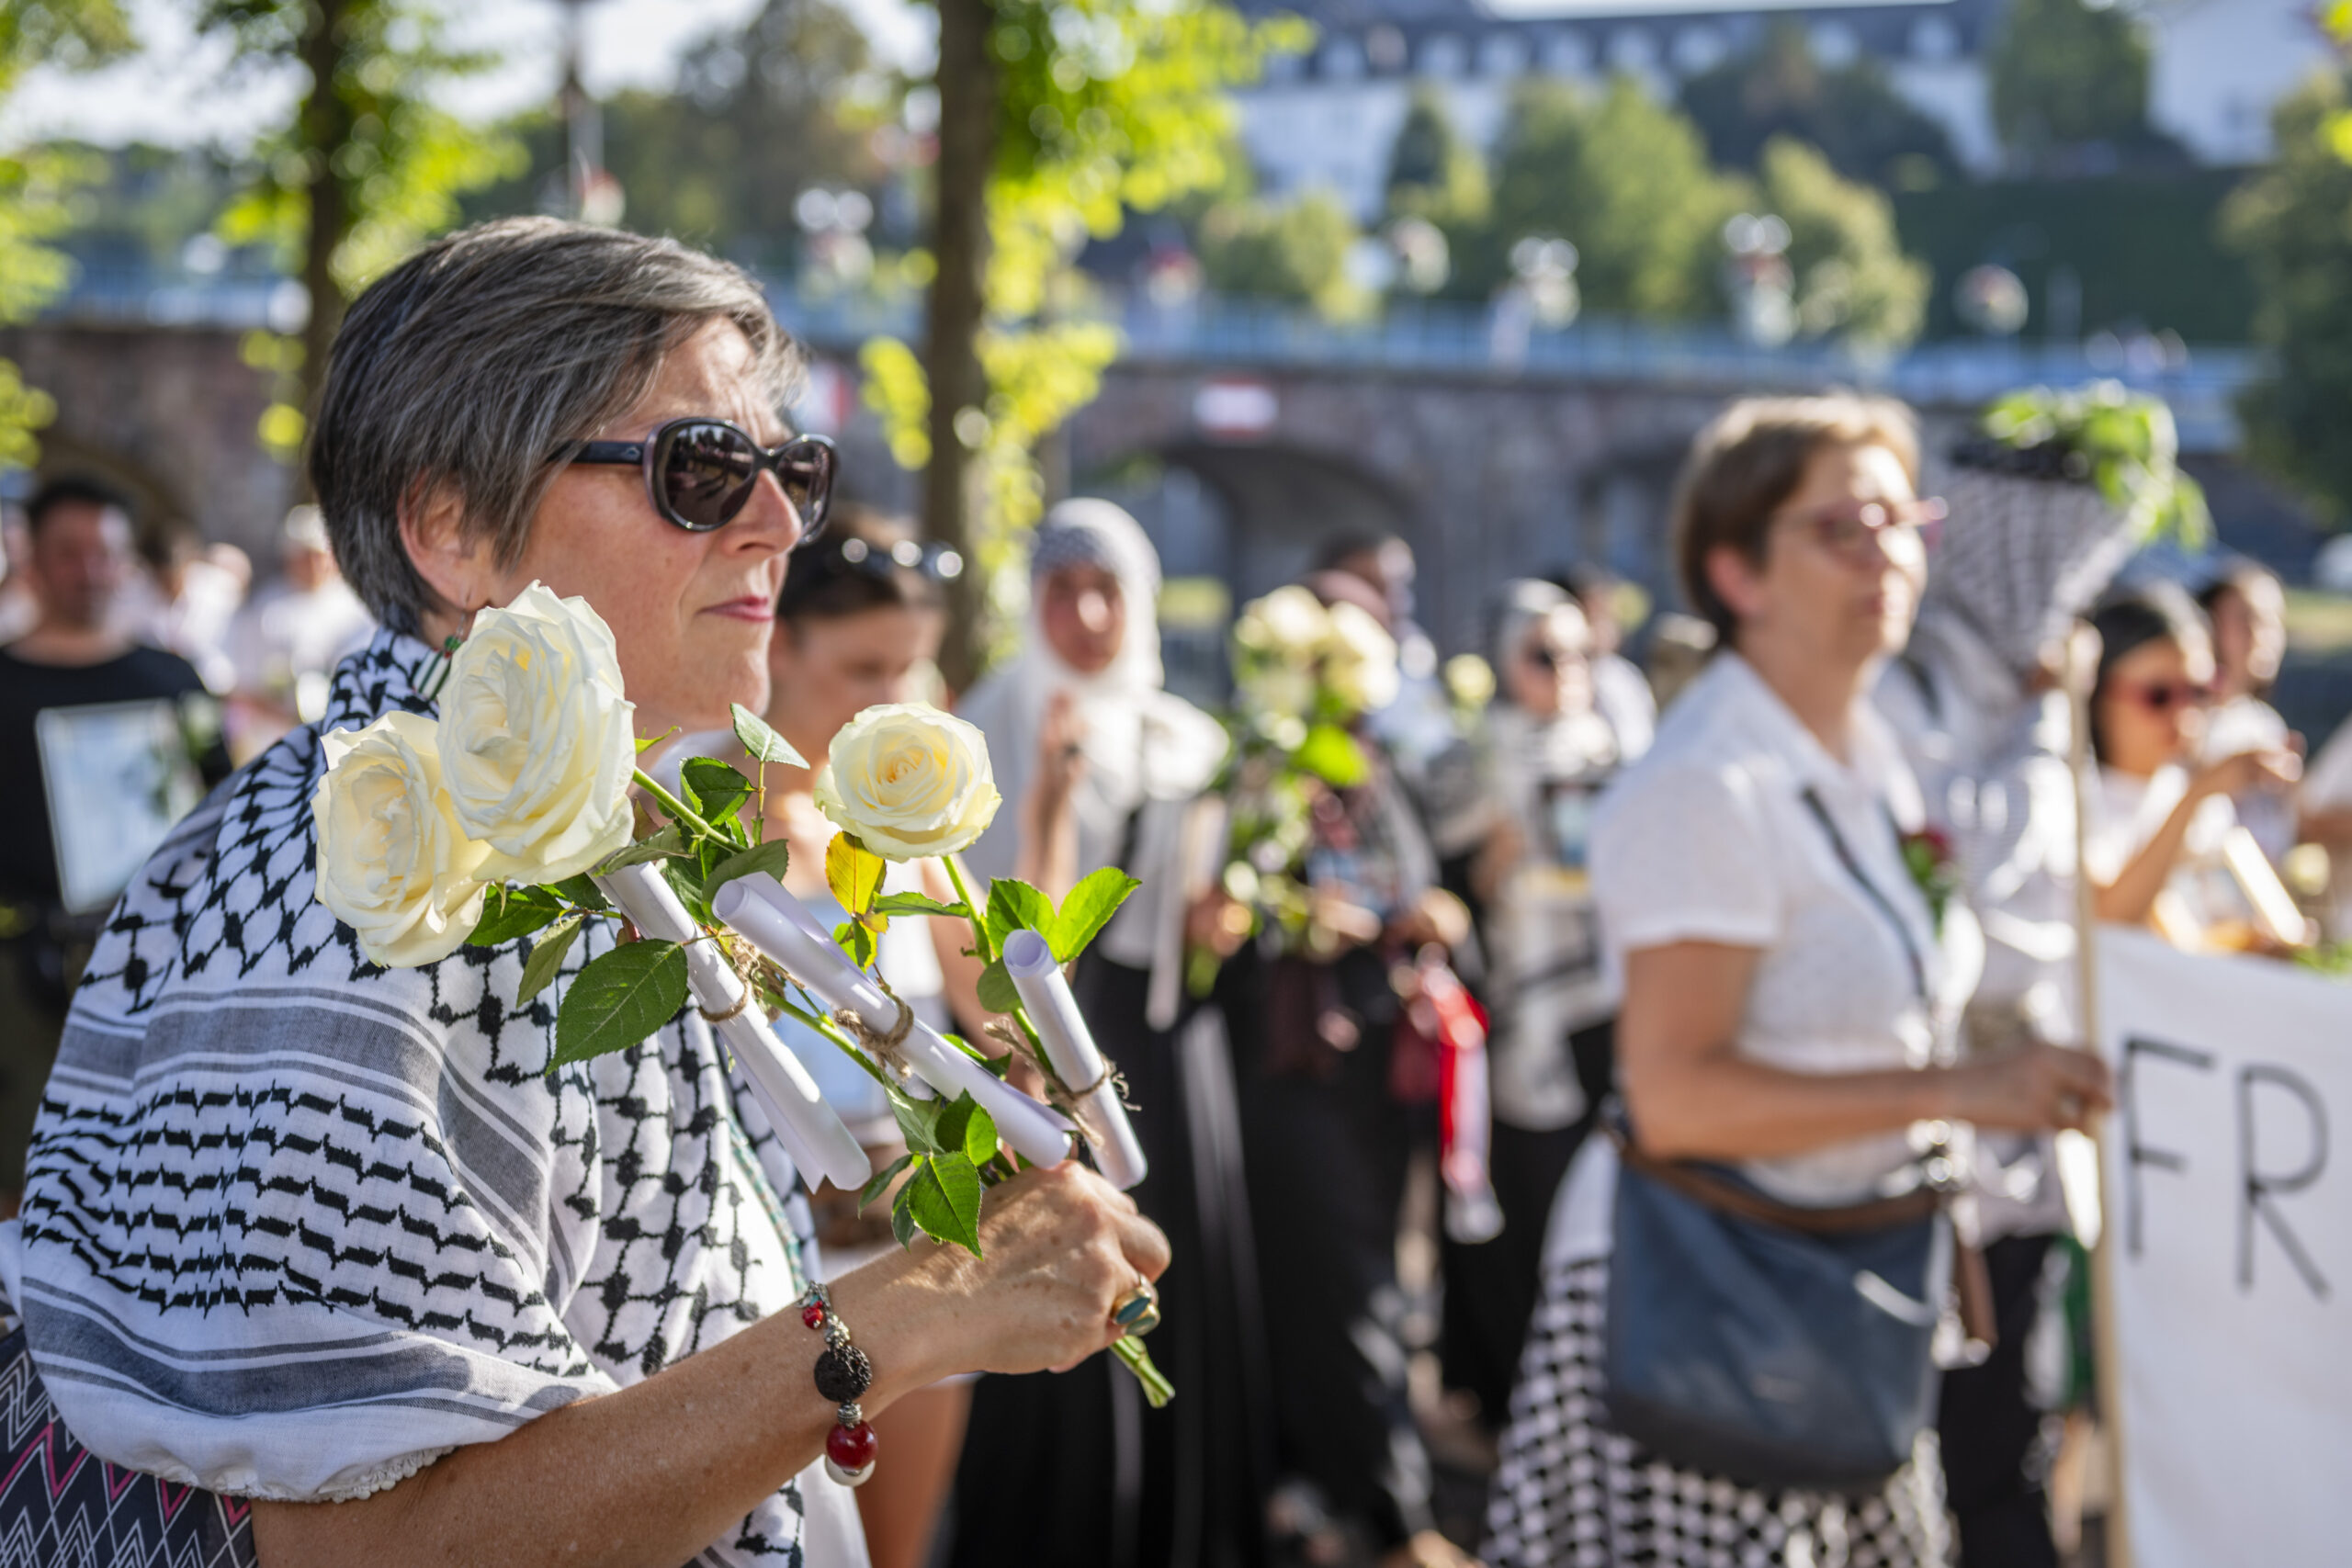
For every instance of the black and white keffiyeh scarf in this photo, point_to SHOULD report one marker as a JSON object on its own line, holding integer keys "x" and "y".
{"x": 295, "y": 1226}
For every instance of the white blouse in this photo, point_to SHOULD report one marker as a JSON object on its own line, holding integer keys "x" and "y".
{"x": 1711, "y": 838}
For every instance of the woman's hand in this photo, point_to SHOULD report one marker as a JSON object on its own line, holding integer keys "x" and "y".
{"x": 1059, "y": 1246}
{"x": 2275, "y": 769}
{"x": 1437, "y": 917}
{"x": 1217, "y": 922}
{"x": 2034, "y": 1089}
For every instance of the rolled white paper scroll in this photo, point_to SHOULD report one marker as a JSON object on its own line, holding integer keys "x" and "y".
{"x": 821, "y": 1148}
{"x": 1070, "y": 1046}
{"x": 781, "y": 926}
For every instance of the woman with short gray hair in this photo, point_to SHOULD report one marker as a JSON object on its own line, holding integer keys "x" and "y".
{"x": 333, "y": 1242}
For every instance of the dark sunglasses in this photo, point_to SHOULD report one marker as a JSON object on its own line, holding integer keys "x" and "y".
{"x": 2163, "y": 696}
{"x": 700, "y": 471}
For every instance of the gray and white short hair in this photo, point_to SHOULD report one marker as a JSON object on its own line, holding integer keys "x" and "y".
{"x": 472, "y": 363}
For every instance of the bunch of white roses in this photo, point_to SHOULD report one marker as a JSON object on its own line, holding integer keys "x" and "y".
{"x": 1296, "y": 660}
{"x": 506, "y": 818}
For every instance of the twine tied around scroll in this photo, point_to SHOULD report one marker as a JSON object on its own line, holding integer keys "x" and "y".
{"x": 742, "y": 960}
{"x": 1070, "y": 1101}
{"x": 883, "y": 1045}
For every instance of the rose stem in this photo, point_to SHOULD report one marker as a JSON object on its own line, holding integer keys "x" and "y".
{"x": 678, "y": 809}
{"x": 971, "y": 911}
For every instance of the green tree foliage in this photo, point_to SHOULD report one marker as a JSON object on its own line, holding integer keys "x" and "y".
{"x": 788, "y": 99}
{"x": 35, "y": 185}
{"x": 1294, "y": 250}
{"x": 1086, "y": 110}
{"x": 369, "y": 168}
{"x": 2065, "y": 73}
{"x": 1867, "y": 129}
{"x": 1624, "y": 178}
{"x": 1434, "y": 172}
{"x": 1853, "y": 278}
{"x": 2290, "y": 222}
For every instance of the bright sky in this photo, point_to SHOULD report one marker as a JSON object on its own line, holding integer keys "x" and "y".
{"x": 173, "y": 91}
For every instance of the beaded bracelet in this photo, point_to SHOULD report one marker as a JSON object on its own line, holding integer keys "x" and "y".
{"x": 843, "y": 1375}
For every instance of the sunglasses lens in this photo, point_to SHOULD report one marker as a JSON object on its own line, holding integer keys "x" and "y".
{"x": 707, "y": 473}
{"x": 806, "y": 470}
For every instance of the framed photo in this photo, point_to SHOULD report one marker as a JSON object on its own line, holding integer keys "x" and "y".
{"x": 118, "y": 776}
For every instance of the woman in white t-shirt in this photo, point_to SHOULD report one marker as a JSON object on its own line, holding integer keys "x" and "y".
{"x": 2161, "y": 817}
{"x": 1787, "y": 985}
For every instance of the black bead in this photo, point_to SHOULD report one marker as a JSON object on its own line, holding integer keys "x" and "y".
{"x": 843, "y": 1373}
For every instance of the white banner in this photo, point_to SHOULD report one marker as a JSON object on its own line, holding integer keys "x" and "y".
{"x": 2230, "y": 1223}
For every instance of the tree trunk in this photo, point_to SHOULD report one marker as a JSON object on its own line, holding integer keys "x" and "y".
{"x": 969, "y": 89}
{"x": 325, "y": 130}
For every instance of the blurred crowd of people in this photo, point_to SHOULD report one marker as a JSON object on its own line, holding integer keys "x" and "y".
{"x": 1794, "y": 909}
{"x": 1710, "y": 934}
{"x": 108, "y": 612}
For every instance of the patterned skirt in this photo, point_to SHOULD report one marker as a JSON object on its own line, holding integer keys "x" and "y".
{"x": 1571, "y": 1491}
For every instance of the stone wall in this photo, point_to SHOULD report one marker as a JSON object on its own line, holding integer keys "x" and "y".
{"x": 168, "y": 414}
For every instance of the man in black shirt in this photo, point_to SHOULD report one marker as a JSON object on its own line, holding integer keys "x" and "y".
{"x": 78, "y": 564}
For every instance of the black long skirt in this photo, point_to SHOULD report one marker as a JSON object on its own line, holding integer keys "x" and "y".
{"x": 1072, "y": 1468}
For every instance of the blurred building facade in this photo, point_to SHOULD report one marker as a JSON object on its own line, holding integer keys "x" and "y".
{"x": 1328, "y": 119}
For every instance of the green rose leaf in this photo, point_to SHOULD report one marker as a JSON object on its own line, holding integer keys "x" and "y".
{"x": 917, "y": 903}
{"x": 547, "y": 957}
{"x": 511, "y": 912}
{"x": 902, "y": 1213}
{"x": 964, "y": 1128}
{"x": 618, "y": 999}
{"x": 942, "y": 1197}
{"x": 856, "y": 939}
{"x": 918, "y": 1120}
{"x": 719, "y": 790}
{"x": 1331, "y": 755}
{"x": 882, "y": 1178}
{"x": 683, "y": 874}
{"x": 773, "y": 857}
{"x": 669, "y": 842}
{"x": 996, "y": 992}
{"x": 762, "y": 742}
{"x": 582, "y": 891}
{"x": 1088, "y": 909}
{"x": 1014, "y": 906}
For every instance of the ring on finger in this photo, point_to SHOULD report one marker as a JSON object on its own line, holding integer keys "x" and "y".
{"x": 1138, "y": 1312}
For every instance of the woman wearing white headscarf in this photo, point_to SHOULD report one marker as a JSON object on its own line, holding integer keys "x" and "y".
{"x": 1073, "y": 1467}
{"x": 1092, "y": 652}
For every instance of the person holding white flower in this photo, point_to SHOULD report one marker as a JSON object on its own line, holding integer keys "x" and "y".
{"x": 329, "y": 1240}
{"x": 1326, "y": 1136}
{"x": 1109, "y": 768}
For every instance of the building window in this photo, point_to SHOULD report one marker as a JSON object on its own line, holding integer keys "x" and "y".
{"x": 1566, "y": 54}
{"x": 1933, "y": 38}
{"x": 1444, "y": 55}
{"x": 1503, "y": 54}
{"x": 1835, "y": 45}
{"x": 1699, "y": 49}
{"x": 1630, "y": 49}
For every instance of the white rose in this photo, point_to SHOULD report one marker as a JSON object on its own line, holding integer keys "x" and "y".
{"x": 1360, "y": 659}
{"x": 1281, "y": 689}
{"x": 536, "y": 739}
{"x": 394, "y": 865}
{"x": 1470, "y": 679}
{"x": 909, "y": 781}
{"x": 1289, "y": 621}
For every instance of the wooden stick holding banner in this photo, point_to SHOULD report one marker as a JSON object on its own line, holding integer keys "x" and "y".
{"x": 2082, "y": 673}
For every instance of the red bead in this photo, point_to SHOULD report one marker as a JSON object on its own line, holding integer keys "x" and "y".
{"x": 813, "y": 1315}
{"x": 852, "y": 1448}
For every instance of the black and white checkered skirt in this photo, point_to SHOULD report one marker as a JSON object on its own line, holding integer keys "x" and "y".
{"x": 1571, "y": 1491}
